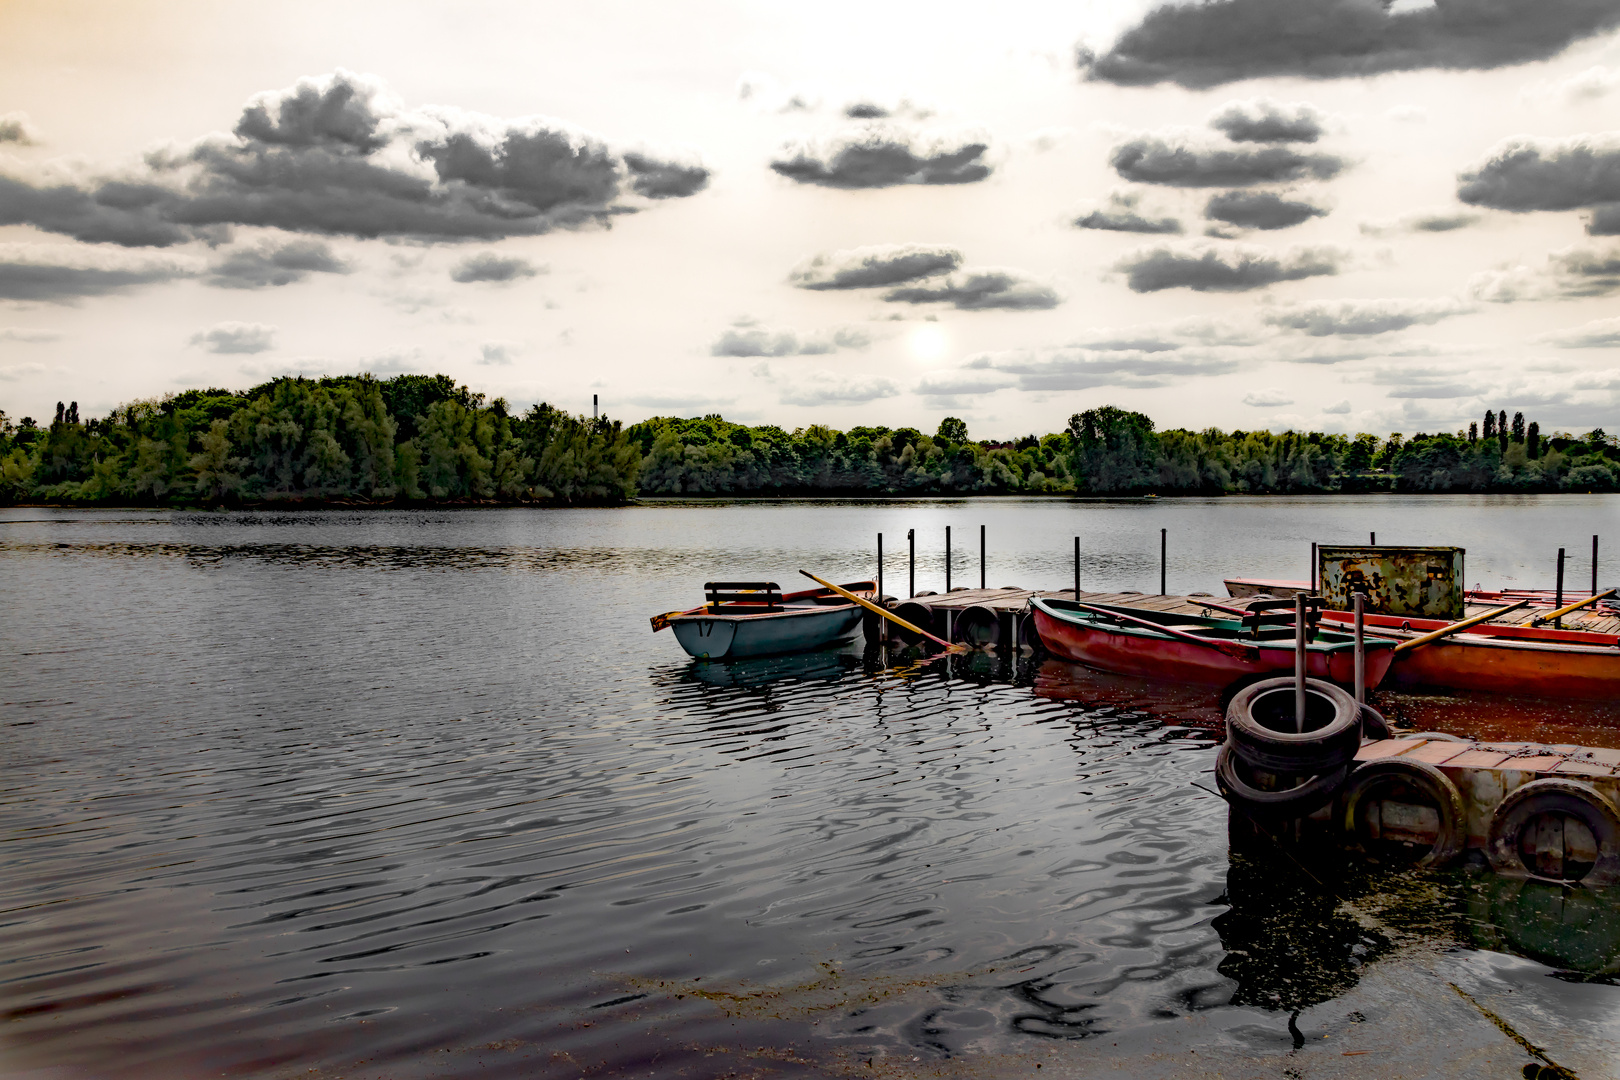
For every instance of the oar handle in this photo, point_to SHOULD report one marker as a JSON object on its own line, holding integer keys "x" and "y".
{"x": 886, "y": 613}
{"x": 1447, "y": 631}
{"x": 1561, "y": 612}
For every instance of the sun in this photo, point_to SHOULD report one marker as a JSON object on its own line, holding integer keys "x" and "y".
{"x": 929, "y": 342}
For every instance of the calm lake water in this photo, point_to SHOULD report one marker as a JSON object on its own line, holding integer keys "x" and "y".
{"x": 414, "y": 794}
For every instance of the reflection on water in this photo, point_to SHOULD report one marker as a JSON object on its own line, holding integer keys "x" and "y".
{"x": 421, "y": 795}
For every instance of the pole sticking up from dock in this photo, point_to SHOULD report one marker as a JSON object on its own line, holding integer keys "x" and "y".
{"x": 1372, "y": 539}
{"x": 981, "y": 558}
{"x": 1299, "y": 663}
{"x": 883, "y": 624}
{"x": 1077, "y": 569}
{"x": 1162, "y": 544}
{"x": 947, "y": 558}
{"x": 1361, "y": 647}
{"x": 1313, "y": 566}
{"x": 1559, "y": 600}
{"x": 1594, "y": 564}
{"x": 911, "y": 585}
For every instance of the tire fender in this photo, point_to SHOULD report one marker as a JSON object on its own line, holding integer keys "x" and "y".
{"x": 1366, "y": 780}
{"x": 1302, "y": 754}
{"x": 1554, "y": 794}
{"x": 1294, "y": 802}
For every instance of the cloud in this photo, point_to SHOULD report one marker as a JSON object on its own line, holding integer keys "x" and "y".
{"x": 1223, "y": 41}
{"x": 1120, "y": 214}
{"x": 1585, "y": 271}
{"x": 397, "y": 361}
{"x": 236, "y": 337}
{"x": 1340, "y": 409}
{"x": 495, "y": 353}
{"x": 747, "y": 338}
{"x": 1525, "y": 173}
{"x": 488, "y": 266}
{"x": 1590, "y": 85}
{"x": 1267, "y": 399}
{"x": 338, "y": 155}
{"x": 826, "y": 388}
{"x": 962, "y": 384}
{"x": 15, "y": 128}
{"x": 1263, "y": 120}
{"x": 874, "y": 267}
{"x": 272, "y": 264}
{"x": 18, "y": 372}
{"x": 31, "y": 337}
{"x": 1224, "y": 267}
{"x": 63, "y": 274}
{"x": 1172, "y": 160}
{"x": 1358, "y": 318}
{"x": 1426, "y": 383}
{"x": 873, "y": 109}
{"x": 1408, "y": 114}
{"x": 885, "y": 156}
{"x": 1078, "y": 369}
{"x": 1597, "y": 334}
{"x": 981, "y": 289}
{"x": 1421, "y": 221}
{"x": 1260, "y": 210}
{"x": 764, "y": 93}
{"x": 1605, "y": 221}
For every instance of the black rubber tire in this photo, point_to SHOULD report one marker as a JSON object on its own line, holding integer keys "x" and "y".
{"x": 977, "y": 626}
{"x": 1373, "y": 724}
{"x": 1295, "y": 802}
{"x": 1553, "y": 794}
{"x": 1310, "y": 753}
{"x": 1447, "y": 799}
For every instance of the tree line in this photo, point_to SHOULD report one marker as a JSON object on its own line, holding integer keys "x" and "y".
{"x": 418, "y": 438}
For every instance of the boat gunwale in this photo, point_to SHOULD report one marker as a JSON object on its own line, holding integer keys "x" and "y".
{"x": 1087, "y": 620}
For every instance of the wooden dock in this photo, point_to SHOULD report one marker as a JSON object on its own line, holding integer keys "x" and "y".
{"x": 1009, "y": 606}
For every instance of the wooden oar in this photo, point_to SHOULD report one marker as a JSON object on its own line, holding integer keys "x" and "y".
{"x": 1447, "y": 631}
{"x": 1561, "y": 612}
{"x": 1230, "y": 648}
{"x": 887, "y": 614}
{"x": 659, "y": 622}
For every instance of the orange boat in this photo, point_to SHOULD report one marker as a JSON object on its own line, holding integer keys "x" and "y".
{"x": 1521, "y": 660}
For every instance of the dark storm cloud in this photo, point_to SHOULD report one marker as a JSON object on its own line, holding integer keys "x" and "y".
{"x": 336, "y": 155}
{"x": 1360, "y": 318}
{"x": 1154, "y": 159}
{"x": 488, "y": 266}
{"x": 981, "y": 290}
{"x": 62, "y": 278}
{"x": 1605, "y": 220}
{"x": 874, "y": 267}
{"x": 1265, "y": 121}
{"x": 884, "y": 157}
{"x": 865, "y": 110}
{"x": 1546, "y": 174}
{"x": 664, "y": 179}
{"x": 1228, "y": 268}
{"x": 1260, "y": 210}
{"x": 1222, "y": 41}
{"x": 1122, "y": 215}
{"x": 275, "y": 264}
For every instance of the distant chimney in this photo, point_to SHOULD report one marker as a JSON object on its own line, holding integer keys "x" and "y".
{"x": 593, "y": 406}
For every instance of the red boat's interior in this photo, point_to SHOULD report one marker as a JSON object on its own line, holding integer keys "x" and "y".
{"x": 1522, "y": 633}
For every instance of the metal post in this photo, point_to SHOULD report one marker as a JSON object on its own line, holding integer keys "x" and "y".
{"x": 981, "y": 557}
{"x": 1372, "y": 539}
{"x": 911, "y": 539}
{"x": 1594, "y": 564}
{"x": 1161, "y": 562}
{"x": 883, "y": 624}
{"x": 593, "y": 406}
{"x": 1299, "y": 662}
{"x": 1559, "y": 601}
{"x": 1361, "y": 648}
{"x": 1077, "y": 569}
{"x": 947, "y": 561}
{"x": 1313, "y": 566}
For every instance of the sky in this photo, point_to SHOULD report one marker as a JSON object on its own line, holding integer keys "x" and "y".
{"x": 1336, "y": 215}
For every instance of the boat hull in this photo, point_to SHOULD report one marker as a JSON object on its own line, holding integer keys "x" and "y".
{"x": 1150, "y": 656}
{"x": 1506, "y": 660}
{"x": 715, "y": 636}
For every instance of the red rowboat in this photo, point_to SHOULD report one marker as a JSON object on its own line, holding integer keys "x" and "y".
{"x": 1536, "y": 661}
{"x": 1191, "y": 648}
{"x": 1537, "y": 598}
